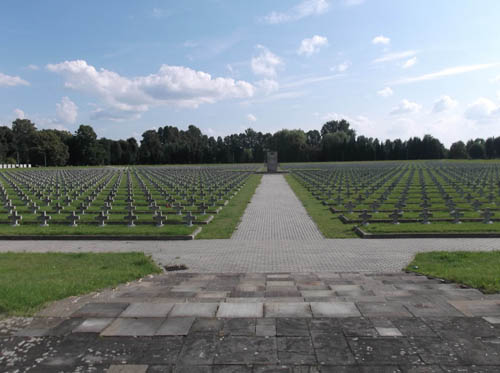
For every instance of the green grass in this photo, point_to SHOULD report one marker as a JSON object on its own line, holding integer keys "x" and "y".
{"x": 437, "y": 227}
{"x": 30, "y": 280}
{"x": 226, "y": 221}
{"x": 480, "y": 270}
{"x": 122, "y": 230}
{"x": 328, "y": 223}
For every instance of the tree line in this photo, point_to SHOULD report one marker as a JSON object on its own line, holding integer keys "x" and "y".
{"x": 336, "y": 141}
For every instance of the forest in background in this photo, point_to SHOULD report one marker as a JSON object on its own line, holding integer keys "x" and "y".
{"x": 336, "y": 141}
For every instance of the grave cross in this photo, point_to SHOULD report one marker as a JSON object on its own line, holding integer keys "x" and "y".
{"x": 159, "y": 219}
{"x": 487, "y": 215}
{"x": 44, "y": 218}
{"x": 456, "y": 215}
{"x": 14, "y": 218}
{"x": 189, "y": 218}
{"x": 101, "y": 218}
{"x": 396, "y": 214}
{"x": 203, "y": 208}
{"x": 425, "y": 215}
{"x": 73, "y": 218}
{"x": 130, "y": 218}
{"x": 178, "y": 207}
{"x": 349, "y": 206}
{"x": 365, "y": 217}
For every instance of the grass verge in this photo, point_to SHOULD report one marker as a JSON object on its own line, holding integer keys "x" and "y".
{"x": 30, "y": 280}
{"x": 225, "y": 223}
{"x": 480, "y": 270}
{"x": 327, "y": 222}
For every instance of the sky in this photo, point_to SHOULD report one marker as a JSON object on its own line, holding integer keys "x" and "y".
{"x": 392, "y": 68}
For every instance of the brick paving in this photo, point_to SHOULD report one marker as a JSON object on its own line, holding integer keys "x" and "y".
{"x": 254, "y": 322}
{"x": 232, "y": 256}
{"x": 275, "y": 213}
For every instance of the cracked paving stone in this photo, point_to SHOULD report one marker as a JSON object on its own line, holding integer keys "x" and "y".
{"x": 161, "y": 350}
{"x": 296, "y": 350}
{"x": 292, "y": 327}
{"x": 100, "y": 310}
{"x": 198, "y": 349}
{"x": 384, "y": 351}
{"x": 239, "y": 327}
{"x": 247, "y": 350}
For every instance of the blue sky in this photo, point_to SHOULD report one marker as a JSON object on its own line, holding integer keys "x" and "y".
{"x": 395, "y": 68}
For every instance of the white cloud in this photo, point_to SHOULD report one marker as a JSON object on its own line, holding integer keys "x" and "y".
{"x": 19, "y": 114}
{"x": 310, "y": 80}
{"x": 395, "y": 56}
{"x": 304, "y": 9}
{"x": 251, "y": 117}
{"x": 406, "y": 107}
{"x": 267, "y": 86}
{"x": 482, "y": 109}
{"x": 496, "y": 79}
{"x": 444, "y": 103}
{"x": 32, "y": 67}
{"x": 342, "y": 67}
{"x": 171, "y": 85}
{"x": 446, "y": 72}
{"x": 385, "y": 92}
{"x": 309, "y": 46}
{"x": 266, "y": 62}
{"x": 381, "y": 40}
{"x": 67, "y": 111}
{"x": 11, "y": 81}
{"x": 410, "y": 62}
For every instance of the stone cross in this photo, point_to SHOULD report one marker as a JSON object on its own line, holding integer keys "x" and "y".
{"x": 476, "y": 205}
{"x": 58, "y": 208}
{"x": 395, "y": 215}
{"x": 203, "y": 208}
{"x": 179, "y": 208}
{"x": 159, "y": 219}
{"x": 101, "y": 218}
{"x": 487, "y": 215}
{"x": 425, "y": 215}
{"x": 14, "y": 218}
{"x": 365, "y": 216}
{"x": 73, "y": 218}
{"x": 349, "y": 206}
{"x": 189, "y": 218}
{"x": 44, "y": 218}
{"x": 456, "y": 214}
{"x": 130, "y": 218}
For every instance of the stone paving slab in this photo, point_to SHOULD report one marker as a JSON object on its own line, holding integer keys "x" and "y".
{"x": 266, "y": 336}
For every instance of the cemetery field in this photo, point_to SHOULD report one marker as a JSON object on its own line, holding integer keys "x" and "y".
{"x": 175, "y": 202}
{"x": 29, "y": 280}
{"x": 476, "y": 269}
{"x": 400, "y": 198}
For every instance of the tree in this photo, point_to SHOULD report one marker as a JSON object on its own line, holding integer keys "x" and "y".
{"x": 49, "y": 150}
{"x": 24, "y": 135}
{"x": 151, "y": 149}
{"x": 83, "y": 147}
{"x": 334, "y": 126}
{"x": 476, "y": 150}
{"x": 458, "y": 150}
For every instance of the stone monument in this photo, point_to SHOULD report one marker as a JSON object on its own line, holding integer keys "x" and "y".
{"x": 272, "y": 161}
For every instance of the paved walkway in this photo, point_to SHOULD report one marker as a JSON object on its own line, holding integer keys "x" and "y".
{"x": 275, "y": 213}
{"x": 230, "y": 256}
{"x": 282, "y": 322}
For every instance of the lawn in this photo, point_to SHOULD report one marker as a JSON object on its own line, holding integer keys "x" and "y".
{"x": 30, "y": 280}
{"x": 328, "y": 223}
{"x": 227, "y": 220}
{"x": 480, "y": 270}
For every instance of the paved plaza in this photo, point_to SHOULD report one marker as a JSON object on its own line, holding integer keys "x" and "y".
{"x": 277, "y": 297}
